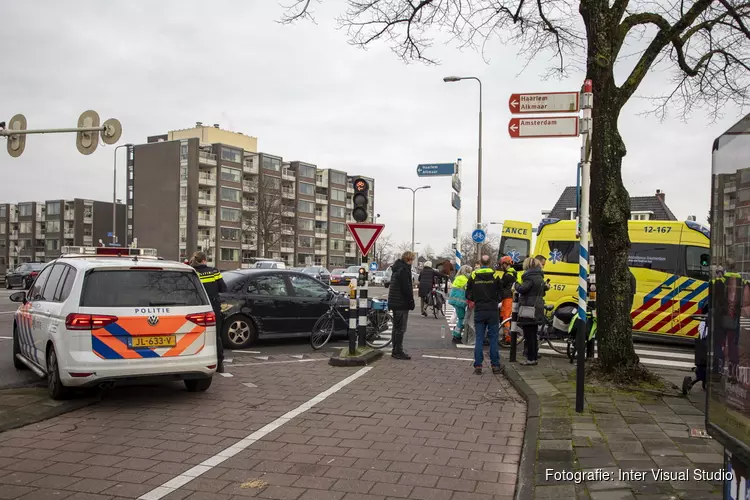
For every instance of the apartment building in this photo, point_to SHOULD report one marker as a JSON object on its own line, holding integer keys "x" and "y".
{"x": 35, "y": 231}
{"x": 210, "y": 189}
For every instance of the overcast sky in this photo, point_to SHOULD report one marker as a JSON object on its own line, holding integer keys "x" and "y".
{"x": 308, "y": 95}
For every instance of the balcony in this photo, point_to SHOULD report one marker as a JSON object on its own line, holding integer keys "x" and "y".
{"x": 287, "y": 212}
{"x": 321, "y": 199}
{"x": 88, "y": 218}
{"x": 250, "y": 168}
{"x": 288, "y": 194}
{"x": 39, "y": 235}
{"x": 349, "y": 204}
{"x": 288, "y": 175}
{"x": 206, "y": 200}
{"x": 351, "y": 254}
{"x": 320, "y": 251}
{"x": 69, "y": 215}
{"x": 286, "y": 249}
{"x": 206, "y": 159}
{"x": 320, "y": 182}
{"x": 206, "y": 221}
{"x": 249, "y": 246}
{"x": 250, "y": 187}
{"x": 250, "y": 207}
{"x": 88, "y": 240}
{"x": 69, "y": 233}
{"x": 349, "y": 189}
{"x": 320, "y": 234}
{"x": 321, "y": 216}
{"x": 13, "y": 235}
{"x": 206, "y": 180}
{"x": 287, "y": 229}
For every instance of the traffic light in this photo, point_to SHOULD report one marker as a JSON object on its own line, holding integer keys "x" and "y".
{"x": 361, "y": 189}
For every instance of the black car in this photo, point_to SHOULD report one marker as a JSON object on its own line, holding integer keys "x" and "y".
{"x": 320, "y": 273}
{"x": 273, "y": 303}
{"x": 23, "y": 275}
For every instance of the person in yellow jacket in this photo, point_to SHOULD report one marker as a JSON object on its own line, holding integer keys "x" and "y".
{"x": 457, "y": 299}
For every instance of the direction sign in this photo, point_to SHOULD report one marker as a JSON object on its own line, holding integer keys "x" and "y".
{"x": 539, "y": 127}
{"x": 456, "y": 201}
{"x": 373, "y": 266}
{"x": 456, "y": 182}
{"x": 478, "y": 236}
{"x": 436, "y": 169}
{"x": 550, "y": 102}
{"x": 365, "y": 234}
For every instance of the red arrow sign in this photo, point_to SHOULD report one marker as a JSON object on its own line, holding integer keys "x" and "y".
{"x": 563, "y": 126}
{"x": 365, "y": 235}
{"x": 550, "y": 102}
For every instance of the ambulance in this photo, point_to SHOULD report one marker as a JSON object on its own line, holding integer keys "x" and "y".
{"x": 669, "y": 259}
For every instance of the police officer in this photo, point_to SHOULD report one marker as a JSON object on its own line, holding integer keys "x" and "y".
{"x": 214, "y": 285}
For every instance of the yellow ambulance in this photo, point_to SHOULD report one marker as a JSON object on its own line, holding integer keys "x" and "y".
{"x": 669, "y": 259}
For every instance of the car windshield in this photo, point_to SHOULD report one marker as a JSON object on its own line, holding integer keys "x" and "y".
{"x": 352, "y": 269}
{"x": 142, "y": 288}
{"x": 311, "y": 270}
{"x": 338, "y": 271}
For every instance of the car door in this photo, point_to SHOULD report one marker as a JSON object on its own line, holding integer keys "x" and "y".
{"x": 694, "y": 293}
{"x": 311, "y": 299}
{"x": 655, "y": 268}
{"x": 36, "y": 314}
{"x": 15, "y": 278}
{"x": 270, "y": 302}
{"x": 51, "y": 306}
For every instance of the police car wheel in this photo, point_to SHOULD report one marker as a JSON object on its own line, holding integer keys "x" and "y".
{"x": 239, "y": 332}
{"x": 198, "y": 385}
{"x": 17, "y": 363}
{"x": 54, "y": 385}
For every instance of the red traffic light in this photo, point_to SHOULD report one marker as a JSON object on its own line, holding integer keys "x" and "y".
{"x": 361, "y": 186}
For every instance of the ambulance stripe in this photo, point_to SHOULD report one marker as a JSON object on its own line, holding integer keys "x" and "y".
{"x": 656, "y": 291}
{"x": 103, "y": 350}
{"x": 123, "y": 335}
{"x": 652, "y": 316}
{"x": 701, "y": 288}
{"x": 644, "y": 307}
{"x": 676, "y": 290}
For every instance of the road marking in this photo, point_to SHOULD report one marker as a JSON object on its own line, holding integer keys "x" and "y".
{"x": 7, "y": 312}
{"x": 264, "y": 358}
{"x": 228, "y": 360}
{"x": 246, "y": 352}
{"x": 446, "y": 357}
{"x": 249, "y": 384}
{"x": 464, "y": 346}
{"x": 278, "y": 362}
{"x": 174, "y": 484}
{"x": 226, "y": 374}
{"x": 298, "y": 356}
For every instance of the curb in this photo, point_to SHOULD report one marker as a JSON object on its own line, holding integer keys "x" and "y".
{"x": 22, "y": 419}
{"x": 525, "y": 481}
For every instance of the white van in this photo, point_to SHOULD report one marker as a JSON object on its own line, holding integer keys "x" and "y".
{"x": 269, "y": 264}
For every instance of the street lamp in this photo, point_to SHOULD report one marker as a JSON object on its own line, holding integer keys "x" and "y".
{"x": 114, "y": 196}
{"x": 413, "y": 208}
{"x": 451, "y": 79}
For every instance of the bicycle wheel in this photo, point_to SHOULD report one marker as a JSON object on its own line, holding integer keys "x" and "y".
{"x": 557, "y": 343}
{"x": 503, "y": 343}
{"x": 377, "y": 325}
{"x": 322, "y": 331}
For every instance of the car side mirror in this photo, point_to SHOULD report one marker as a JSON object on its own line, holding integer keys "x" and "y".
{"x": 18, "y": 297}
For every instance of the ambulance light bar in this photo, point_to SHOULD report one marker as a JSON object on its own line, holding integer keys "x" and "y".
{"x": 109, "y": 252}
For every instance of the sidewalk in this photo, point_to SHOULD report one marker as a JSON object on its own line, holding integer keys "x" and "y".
{"x": 618, "y": 431}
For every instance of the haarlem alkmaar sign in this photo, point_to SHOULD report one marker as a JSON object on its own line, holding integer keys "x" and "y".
{"x": 550, "y": 102}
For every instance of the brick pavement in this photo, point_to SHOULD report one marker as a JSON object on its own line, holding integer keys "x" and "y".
{"x": 425, "y": 429}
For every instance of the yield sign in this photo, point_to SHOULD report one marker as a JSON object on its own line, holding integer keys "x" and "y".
{"x": 365, "y": 234}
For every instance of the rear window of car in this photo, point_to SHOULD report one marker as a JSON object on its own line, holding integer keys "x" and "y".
{"x": 338, "y": 271}
{"x": 142, "y": 288}
{"x": 352, "y": 269}
{"x": 35, "y": 267}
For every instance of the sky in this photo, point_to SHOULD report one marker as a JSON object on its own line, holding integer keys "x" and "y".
{"x": 308, "y": 95}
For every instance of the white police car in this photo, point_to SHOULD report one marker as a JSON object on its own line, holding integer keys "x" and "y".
{"x": 102, "y": 316}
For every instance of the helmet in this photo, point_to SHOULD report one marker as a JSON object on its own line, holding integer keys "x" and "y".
{"x": 506, "y": 260}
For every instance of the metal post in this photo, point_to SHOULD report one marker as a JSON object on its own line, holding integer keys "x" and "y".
{"x": 353, "y": 320}
{"x": 413, "y": 215}
{"x": 479, "y": 172}
{"x": 513, "y": 329}
{"x": 114, "y": 196}
{"x": 458, "y": 222}
{"x": 583, "y": 259}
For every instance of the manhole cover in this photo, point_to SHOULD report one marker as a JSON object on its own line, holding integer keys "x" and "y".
{"x": 699, "y": 433}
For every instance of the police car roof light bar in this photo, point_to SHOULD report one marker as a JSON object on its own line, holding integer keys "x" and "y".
{"x": 69, "y": 251}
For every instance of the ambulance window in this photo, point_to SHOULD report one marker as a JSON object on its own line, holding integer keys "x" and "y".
{"x": 697, "y": 263}
{"x": 656, "y": 257}
{"x": 520, "y": 246}
{"x": 563, "y": 251}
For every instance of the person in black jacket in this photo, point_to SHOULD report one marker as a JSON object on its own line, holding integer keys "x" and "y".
{"x": 401, "y": 301}
{"x": 531, "y": 306}
{"x": 484, "y": 288}
{"x": 427, "y": 278}
{"x": 214, "y": 284}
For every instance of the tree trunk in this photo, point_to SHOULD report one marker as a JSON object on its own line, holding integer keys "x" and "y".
{"x": 610, "y": 203}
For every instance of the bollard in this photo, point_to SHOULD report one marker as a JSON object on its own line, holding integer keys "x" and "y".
{"x": 352, "y": 318}
{"x": 362, "y": 303}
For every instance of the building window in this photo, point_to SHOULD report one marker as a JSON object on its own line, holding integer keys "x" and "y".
{"x": 2, "y": 228}
{"x": 130, "y": 211}
{"x": 337, "y": 178}
{"x": 338, "y": 245}
{"x": 230, "y": 234}
{"x": 307, "y": 207}
{"x": 230, "y": 214}
{"x": 231, "y": 174}
{"x": 305, "y": 241}
{"x": 338, "y": 228}
{"x": 24, "y": 244}
{"x": 3, "y": 211}
{"x": 230, "y": 254}
{"x": 88, "y": 211}
{"x": 338, "y": 195}
{"x": 742, "y": 194}
{"x": 52, "y": 244}
{"x": 307, "y": 189}
{"x": 88, "y": 230}
{"x": 183, "y": 194}
{"x": 24, "y": 210}
{"x": 305, "y": 224}
{"x": 230, "y": 194}
{"x": 183, "y": 151}
{"x": 272, "y": 183}
{"x": 305, "y": 171}
{"x": 639, "y": 216}
{"x": 53, "y": 226}
{"x": 231, "y": 155}
{"x": 53, "y": 208}
{"x": 24, "y": 227}
{"x": 271, "y": 163}
{"x": 338, "y": 212}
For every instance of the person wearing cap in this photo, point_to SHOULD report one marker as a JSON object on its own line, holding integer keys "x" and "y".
{"x": 428, "y": 277}
{"x": 508, "y": 276}
{"x": 214, "y": 284}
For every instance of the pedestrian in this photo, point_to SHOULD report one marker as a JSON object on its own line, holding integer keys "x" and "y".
{"x": 508, "y": 277}
{"x": 530, "y": 306}
{"x": 484, "y": 289}
{"x": 458, "y": 300}
{"x": 542, "y": 260}
{"x": 428, "y": 278}
{"x": 214, "y": 284}
{"x": 401, "y": 301}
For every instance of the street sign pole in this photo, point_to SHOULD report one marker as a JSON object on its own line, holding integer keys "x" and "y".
{"x": 458, "y": 216}
{"x": 583, "y": 258}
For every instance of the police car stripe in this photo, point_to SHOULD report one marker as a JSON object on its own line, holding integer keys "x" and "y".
{"x": 122, "y": 335}
{"x": 103, "y": 349}
{"x": 23, "y": 341}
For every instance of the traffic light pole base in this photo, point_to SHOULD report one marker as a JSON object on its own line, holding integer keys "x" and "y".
{"x": 362, "y": 357}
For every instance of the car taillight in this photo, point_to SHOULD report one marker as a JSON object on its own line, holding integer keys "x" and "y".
{"x": 33, "y": 274}
{"x": 202, "y": 319}
{"x": 88, "y": 321}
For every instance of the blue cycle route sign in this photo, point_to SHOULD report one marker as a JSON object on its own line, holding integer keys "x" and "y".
{"x": 436, "y": 169}
{"x": 373, "y": 266}
{"x": 478, "y": 236}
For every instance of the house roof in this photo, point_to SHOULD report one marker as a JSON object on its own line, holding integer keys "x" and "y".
{"x": 654, "y": 204}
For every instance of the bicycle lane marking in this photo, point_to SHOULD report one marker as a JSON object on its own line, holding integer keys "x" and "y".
{"x": 174, "y": 484}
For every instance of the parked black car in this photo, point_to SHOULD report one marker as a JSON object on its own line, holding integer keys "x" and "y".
{"x": 320, "y": 273}
{"x": 268, "y": 303}
{"x": 23, "y": 275}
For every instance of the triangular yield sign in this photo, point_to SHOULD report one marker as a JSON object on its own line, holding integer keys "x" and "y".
{"x": 365, "y": 234}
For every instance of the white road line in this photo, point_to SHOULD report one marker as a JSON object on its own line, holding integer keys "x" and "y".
{"x": 278, "y": 362}
{"x": 249, "y": 384}
{"x": 226, "y": 374}
{"x": 645, "y": 360}
{"x": 464, "y": 346}
{"x": 7, "y": 312}
{"x": 208, "y": 464}
{"x": 246, "y": 352}
{"x": 446, "y": 357}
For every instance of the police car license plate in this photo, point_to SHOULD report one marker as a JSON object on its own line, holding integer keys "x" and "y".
{"x": 145, "y": 342}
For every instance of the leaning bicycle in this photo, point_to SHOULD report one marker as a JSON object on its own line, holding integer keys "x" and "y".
{"x": 379, "y": 321}
{"x": 555, "y": 338}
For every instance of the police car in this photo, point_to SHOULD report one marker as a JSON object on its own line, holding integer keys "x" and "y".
{"x": 97, "y": 317}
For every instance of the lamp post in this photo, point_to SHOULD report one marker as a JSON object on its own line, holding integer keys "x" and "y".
{"x": 413, "y": 208}
{"x": 114, "y": 195}
{"x": 451, "y": 79}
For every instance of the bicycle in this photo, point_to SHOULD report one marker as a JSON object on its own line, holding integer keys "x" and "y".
{"x": 378, "y": 321}
{"x": 436, "y": 301}
{"x": 546, "y": 332}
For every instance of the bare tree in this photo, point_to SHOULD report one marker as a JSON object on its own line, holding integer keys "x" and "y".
{"x": 384, "y": 251}
{"x": 269, "y": 214}
{"x": 429, "y": 253}
{"x": 402, "y": 247}
{"x": 706, "y": 43}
